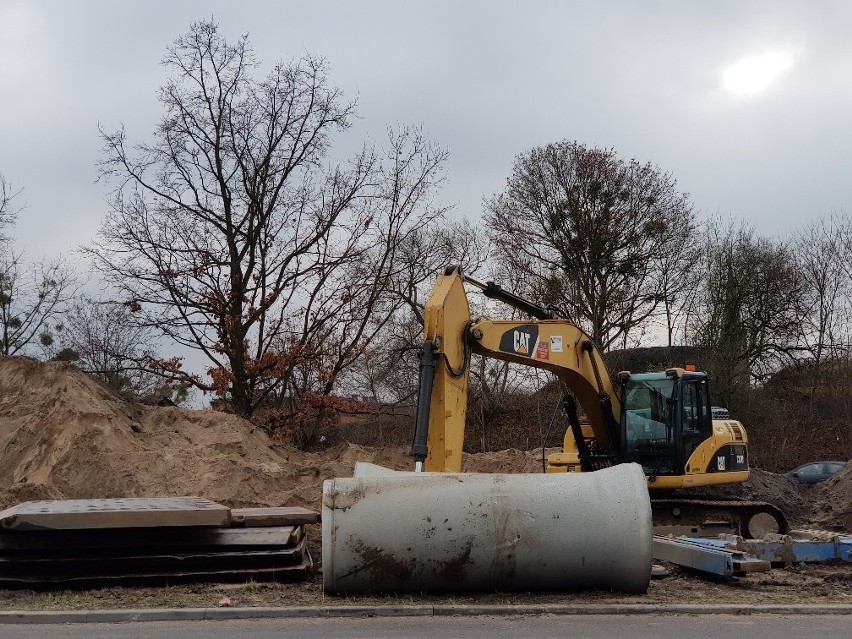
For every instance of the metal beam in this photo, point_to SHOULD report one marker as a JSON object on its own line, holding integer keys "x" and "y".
{"x": 706, "y": 557}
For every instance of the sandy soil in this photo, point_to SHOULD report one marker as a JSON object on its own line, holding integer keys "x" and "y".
{"x": 65, "y": 436}
{"x": 833, "y": 501}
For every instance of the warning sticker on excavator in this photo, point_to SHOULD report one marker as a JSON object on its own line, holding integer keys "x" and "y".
{"x": 542, "y": 351}
{"x": 556, "y": 343}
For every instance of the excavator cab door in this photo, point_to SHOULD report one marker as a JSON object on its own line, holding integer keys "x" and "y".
{"x": 649, "y": 422}
{"x": 694, "y": 420}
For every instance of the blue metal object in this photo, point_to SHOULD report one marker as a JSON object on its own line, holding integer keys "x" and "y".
{"x": 797, "y": 547}
{"x": 731, "y": 555}
{"x": 713, "y": 557}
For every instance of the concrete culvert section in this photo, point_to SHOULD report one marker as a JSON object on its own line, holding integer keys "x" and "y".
{"x": 444, "y": 532}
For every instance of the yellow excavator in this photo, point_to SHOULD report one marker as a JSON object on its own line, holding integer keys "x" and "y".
{"x": 588, "y": 521}
{"x": 661, "y": 420}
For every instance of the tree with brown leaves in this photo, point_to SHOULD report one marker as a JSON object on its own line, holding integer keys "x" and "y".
{"x": 234, "y": 234}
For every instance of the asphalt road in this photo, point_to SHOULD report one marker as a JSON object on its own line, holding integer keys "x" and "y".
{"x": 633, "y": 626}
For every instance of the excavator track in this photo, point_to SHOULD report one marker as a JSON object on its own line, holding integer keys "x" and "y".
{"x": 703, "y": 517}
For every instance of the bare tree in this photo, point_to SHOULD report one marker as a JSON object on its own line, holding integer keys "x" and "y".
{"x": 748, "y": 313}
{"x": 32, "y": 300}
{"x": 32, "y": 295}
{"x": 102, "y": 340}
{"x": 823, "y": 261}
{"x": 231, "y": 235}
{"x": 678, "y": 277}
{"x": 353, "y": 308}
{"x": 8, "y": 212}
{"x": 591, "y": 233}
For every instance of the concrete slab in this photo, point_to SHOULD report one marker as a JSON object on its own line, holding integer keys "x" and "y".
{"x": 282, "y": 516}
{"x": 77, "y": 514}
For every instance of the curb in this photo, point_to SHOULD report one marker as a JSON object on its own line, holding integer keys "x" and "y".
{"x": 221, "y": 614}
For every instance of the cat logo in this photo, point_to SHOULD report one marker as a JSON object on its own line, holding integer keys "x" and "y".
{"x": 522, "y": 342}
{"x": 519, "y": 340}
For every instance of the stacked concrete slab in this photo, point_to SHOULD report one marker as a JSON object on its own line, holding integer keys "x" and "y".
{"x": 140, "y": 540}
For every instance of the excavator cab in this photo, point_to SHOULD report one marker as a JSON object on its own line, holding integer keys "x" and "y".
{"x": 665, "y": 416}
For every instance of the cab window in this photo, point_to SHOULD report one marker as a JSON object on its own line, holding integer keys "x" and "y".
{"x": 649, "y": 437}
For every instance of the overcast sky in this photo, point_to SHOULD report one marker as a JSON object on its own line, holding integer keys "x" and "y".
{"x": 747, "y": 104}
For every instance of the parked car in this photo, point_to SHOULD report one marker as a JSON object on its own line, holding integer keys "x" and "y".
{"x": 815, "y": 472}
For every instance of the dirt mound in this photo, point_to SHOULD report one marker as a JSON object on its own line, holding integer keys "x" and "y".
{"x": 834, "y": 501}
{"x": 63, "y": 435}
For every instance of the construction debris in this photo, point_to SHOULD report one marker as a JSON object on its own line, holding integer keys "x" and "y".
{"x": 733, "y": 556}
{"x": 799, "y": 546}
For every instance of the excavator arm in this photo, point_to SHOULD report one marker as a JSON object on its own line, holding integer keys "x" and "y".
{"x": 549, "y": 343}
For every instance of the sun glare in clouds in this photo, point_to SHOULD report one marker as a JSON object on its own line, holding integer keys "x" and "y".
{"x": 750, "y": 76}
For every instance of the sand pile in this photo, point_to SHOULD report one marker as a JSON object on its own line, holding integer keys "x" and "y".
{"x": 833, "y": 503}
{"x": 63, "y": 435}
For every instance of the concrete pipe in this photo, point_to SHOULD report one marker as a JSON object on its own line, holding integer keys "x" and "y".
{"x": 384, "y": 531}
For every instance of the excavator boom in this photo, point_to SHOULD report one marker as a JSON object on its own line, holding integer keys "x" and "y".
{"x": 550, "y": 344}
